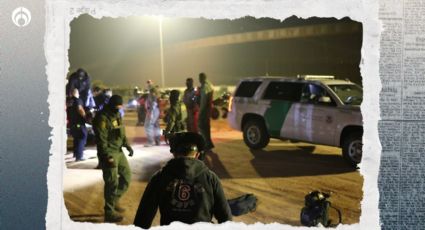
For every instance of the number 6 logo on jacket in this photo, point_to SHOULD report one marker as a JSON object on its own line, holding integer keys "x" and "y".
{"x": 184, "y": 192}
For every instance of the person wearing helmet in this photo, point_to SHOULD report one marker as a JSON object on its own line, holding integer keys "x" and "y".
{"x": 184, "y": 189}
{"x": 110, "y": 138}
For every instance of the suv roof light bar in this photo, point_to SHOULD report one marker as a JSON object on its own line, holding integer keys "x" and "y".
{"x": 311, "y": 77}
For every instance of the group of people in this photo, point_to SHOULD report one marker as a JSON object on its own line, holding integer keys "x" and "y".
{"x": 81, "y": 106}
{"x": 198, "y": 103}
{"x": 185, "y": 189}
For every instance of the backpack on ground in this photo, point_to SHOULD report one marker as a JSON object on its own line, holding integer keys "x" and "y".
{"x": 316, "y": 210}
{"x": 243, "y": 204}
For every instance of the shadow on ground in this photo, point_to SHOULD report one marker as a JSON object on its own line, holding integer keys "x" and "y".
{"x": 213, "y": 162}
{"x": 297, "y": 162}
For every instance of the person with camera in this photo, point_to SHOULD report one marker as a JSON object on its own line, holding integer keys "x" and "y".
{"x": 110, "y": 138}
{"x": 184, "y": 189}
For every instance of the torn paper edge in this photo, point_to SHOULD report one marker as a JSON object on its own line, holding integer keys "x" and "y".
{"x": 56, "y": 46}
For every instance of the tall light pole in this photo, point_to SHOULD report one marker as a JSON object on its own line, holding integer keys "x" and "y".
{"x": 161, "y": 52}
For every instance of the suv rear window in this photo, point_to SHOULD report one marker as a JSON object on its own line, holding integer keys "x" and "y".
{"x": 288, "y": 91}
{"x": 247, "y": 88}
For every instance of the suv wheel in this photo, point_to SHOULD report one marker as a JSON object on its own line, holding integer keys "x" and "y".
{"x": 352, "y": 148}
{"x": 255, "y": 134}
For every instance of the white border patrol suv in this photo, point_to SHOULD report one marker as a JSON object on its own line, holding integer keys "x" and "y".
{"x": 311, "y": 108}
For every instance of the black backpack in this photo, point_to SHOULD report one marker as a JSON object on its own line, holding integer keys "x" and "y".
{"x": 243, "y": 204}
{"x": 316, "y": 210}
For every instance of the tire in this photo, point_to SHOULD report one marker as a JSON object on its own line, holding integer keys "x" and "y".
{"x": 352, "y": 148}
{"x": 215, "y": 113}
{"x": 255, "y": 134}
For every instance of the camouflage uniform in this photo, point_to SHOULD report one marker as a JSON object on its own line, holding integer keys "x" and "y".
{"x": 174, "y": 123}
{"x": 110, "y": 138}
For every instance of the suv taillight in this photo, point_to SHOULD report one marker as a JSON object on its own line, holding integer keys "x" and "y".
{"x": 229, "y": 108}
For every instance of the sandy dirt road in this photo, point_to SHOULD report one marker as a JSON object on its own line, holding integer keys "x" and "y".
{"x": 279, "y": 175}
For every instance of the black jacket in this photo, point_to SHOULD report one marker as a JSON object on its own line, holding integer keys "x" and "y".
{"x": 184, "y": 190}
{"x": 74, "y": 116}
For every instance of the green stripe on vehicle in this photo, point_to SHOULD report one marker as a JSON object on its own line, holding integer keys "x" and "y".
{"x": 276, "y": 115}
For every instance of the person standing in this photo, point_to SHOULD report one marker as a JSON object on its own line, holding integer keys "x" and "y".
{"x": 184, "y": 189}
{"x": 100, "y": 98}
{"x": 152, "y": 129}
{"x": 110, "y": 139}
{"x": 149, "y": 85}
{"x": 77, "y": 124}
{"x": 190, "y": 101}
{"x": 141, "y": 109}
{"x": 81, "y": 80}
{"x": 174, "y": 121}
{"x": 205, "y": 106}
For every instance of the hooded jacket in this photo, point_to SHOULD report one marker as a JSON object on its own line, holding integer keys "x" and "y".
{"x": 185, "y": 190}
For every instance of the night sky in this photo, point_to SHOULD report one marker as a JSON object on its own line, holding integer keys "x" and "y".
{"x": 126, "y": 51}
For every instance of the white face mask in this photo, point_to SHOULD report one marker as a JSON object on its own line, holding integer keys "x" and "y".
{"x": 108, "y": 93}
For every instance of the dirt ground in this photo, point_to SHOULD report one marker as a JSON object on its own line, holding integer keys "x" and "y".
{"x": 279, "y": 175}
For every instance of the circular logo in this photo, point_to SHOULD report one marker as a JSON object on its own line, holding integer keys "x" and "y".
{"x": 21, "y": 17}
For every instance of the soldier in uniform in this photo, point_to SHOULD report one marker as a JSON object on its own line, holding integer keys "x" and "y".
{"x": 110, "y": 138}
{"x": 184, "y": 189}
{"x": 190, "y": 101}
{"x": 205, "y": 107}
{"x": 174, "y": 121}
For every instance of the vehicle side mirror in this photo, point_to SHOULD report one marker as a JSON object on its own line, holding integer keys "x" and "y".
{"x": 325, "y": 99}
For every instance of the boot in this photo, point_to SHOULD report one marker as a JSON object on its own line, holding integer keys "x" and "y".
{"x": 113, "y": 218}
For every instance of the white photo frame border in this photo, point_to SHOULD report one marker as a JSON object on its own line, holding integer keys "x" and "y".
{"x": 59, "y": 14}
